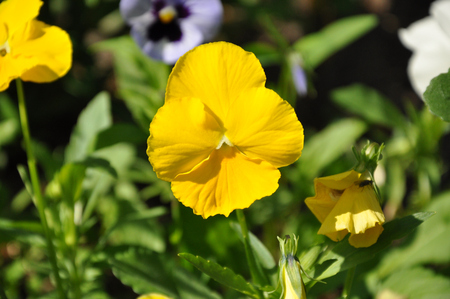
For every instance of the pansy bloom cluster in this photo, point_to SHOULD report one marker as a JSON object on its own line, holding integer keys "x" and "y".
{"x": 29, "y": 49}
{"x": 166, "y": 29}
{"x": 221, "y": 134}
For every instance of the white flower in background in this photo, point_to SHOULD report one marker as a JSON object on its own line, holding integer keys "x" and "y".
{"x": 429, "y": 40}
{"x": 166, "y": 29}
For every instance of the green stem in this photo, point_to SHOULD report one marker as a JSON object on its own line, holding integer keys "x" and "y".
{"x": 38, "y": 198}
{"x": 257, "y": 277}
{"x": 348, "y": 282}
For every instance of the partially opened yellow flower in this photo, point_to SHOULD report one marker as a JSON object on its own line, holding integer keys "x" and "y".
{"x": 30, "y": 49}
{"x": 347, "y": 203}
{"x": 221, "y": 135}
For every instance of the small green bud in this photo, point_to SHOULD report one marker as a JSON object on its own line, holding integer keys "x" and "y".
{"x": 368, "y": 157}
{"x": 290, "y": 270}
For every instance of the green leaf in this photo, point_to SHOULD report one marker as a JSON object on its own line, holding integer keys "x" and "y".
{"x": 70, "y": 179}
{"x": 437, "y": 96}
{"x": 99, "y": 163}
{"x": 317, "y": 47}
{"x": 266, "y": 54}
{"x": 23, "y": 231}
{"x": 141, "y": 81}
{"x": 336, "y": 139}
{"x": 344, "y": 256}
{"x": 418, "y": 283}
{"x": 223, "y": 275}
{"x": 190, "y": 286}
{"x": 130, "y": 223}
{"x": 143, "y": 270}
{"x": 368, "y": 103}
{"x": 118, "y": 133}
{"x": 430, "y": 244}
{"x": 262, "y": 254}
{"x": 93, "y": 119}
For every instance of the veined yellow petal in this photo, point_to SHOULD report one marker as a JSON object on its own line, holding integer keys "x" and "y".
{"x": 46, "y": 53}
{"x": 228, "y": 180}
{"x": 3, "y": 35}
{"x": 8, "y": 71}
{"x": 340, "y": 181}
{"x": 217, "y": 74}
{"x": 366, "y": 210}
{"x": 15, "y": 13}
{"x": 183, "y": 133}
{"x": 263, "y": 125}
{"x": 366, "y": 239}
{"x": 356, "y": 211}
{"x": 323, "y": 202}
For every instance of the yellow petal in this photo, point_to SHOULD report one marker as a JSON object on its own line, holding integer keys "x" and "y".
{"x": 228, "y": 180}
{"x": 46, "y": 55}
{"x": 217, "y": 74}
{"x": 3, "y": 35}
{"x": 366, "y": 239}
{"x": 323, "y": 202}
{"x": 15, "y": 13}
{"x": 366, "y": 211}
{"x": 356, "y": 211}
{"x": 263, "y": 125}
{"x": 340, "y": 181}
{"x": 8, "y": 71}
{"x": 183, "y": 133}
{"x": 153, "y": 296}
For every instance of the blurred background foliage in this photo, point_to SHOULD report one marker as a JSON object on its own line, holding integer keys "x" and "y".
{"x": 117, "y": 227}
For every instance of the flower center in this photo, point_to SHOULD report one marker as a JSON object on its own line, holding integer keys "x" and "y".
{"x": 167, "y": 23}
{"x": 4, "y": 49}
{"x": 167, "y": 14}
{"x": 224, "y": 140}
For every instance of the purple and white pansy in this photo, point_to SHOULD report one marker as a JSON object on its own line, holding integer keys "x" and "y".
{"x": 166, "y": 29}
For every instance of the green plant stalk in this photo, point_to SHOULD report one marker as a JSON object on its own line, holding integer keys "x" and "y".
{"x": 257, "y": 276}
{"x": 348, "y": 282}
{"x": 38, "y": 198}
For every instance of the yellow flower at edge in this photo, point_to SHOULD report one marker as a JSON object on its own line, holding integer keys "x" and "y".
{"x": 30, "y": 49}
{"x": 153, "y": 296}
{"x": 347, "y": 203}
{"x": 221, "y": 136}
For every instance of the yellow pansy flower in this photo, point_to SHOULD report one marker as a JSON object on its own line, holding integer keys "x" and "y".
{"x": 347, "y": 203}
{"x": 29, "y": 49}
{"x": 154, "y": 296}
{"x": 221, "y": 135}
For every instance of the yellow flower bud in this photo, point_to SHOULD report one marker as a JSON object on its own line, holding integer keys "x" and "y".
{"x": 290, "y": 270}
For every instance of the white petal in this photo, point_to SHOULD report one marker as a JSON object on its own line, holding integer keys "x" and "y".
{"x": 425, "y": 33}
{"x": 425, "y": 65}
{"x": 133, "y": 8}
{"x": 440, "y": 10}
{"x": 168, "y": 51}
{"x": 191, "y": 38}
{"x": 431, "y": 49}
{"x": 206, "y": 15}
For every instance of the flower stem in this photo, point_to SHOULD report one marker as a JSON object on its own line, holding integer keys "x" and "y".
{"x": 348, "y": 282}
{"x": 257, "y": 276}
{"x": 38, "y": 198}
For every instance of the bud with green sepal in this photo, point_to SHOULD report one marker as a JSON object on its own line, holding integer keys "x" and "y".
{"x": 290, "y": 276}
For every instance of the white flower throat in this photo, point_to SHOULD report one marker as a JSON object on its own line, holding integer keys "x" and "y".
{"x": 224, "y": 140}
